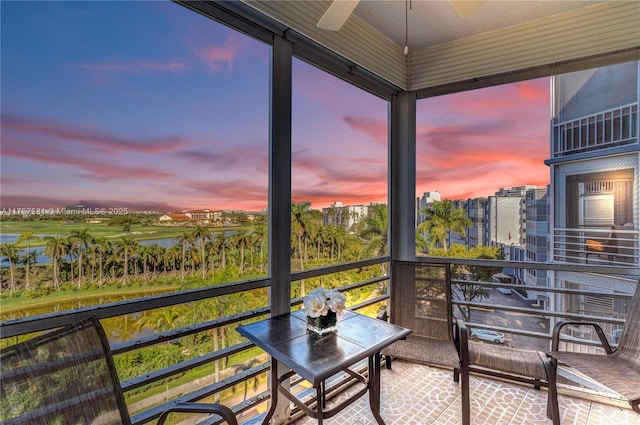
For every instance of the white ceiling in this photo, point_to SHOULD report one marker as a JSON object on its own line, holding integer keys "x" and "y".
{"x": 434, "y": 22}
{"x": 501, "y": 42}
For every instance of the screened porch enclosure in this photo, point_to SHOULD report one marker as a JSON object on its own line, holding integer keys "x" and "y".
{"x": 582, "y": 37}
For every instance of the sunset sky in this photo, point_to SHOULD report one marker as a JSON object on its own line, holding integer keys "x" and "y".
{"x": 149, "y": 106}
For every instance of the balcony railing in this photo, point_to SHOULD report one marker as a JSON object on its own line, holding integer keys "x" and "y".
{"x": 12, "y": 330}
{"x": 615, "y": 127}
{"x": 377, "y": 296}
{"x": 597, "y": 246}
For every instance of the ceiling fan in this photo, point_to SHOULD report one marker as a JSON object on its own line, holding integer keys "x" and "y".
{"x": 339, "y": 11}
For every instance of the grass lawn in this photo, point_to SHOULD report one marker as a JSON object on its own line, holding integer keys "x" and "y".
{"x": 138, "y": 231}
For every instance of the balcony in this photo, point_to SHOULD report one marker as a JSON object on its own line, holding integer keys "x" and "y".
{"x": 492, "y": 400}
{"x": 363, "y": 56}
{"x": 419, "y": 394}
{"x": 602, "y": 246}
{"x": 607, "y": 129}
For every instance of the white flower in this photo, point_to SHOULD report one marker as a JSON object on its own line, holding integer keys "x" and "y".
{"x": 336, "y": 302}
{"x": 320, "y": 301}
{"x": 315, "y": 304}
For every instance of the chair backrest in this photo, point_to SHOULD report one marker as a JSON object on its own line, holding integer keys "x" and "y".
{"x": 629, "y": 346}
{"x": 421, "y": 299}
{"x": 63, "y": 377}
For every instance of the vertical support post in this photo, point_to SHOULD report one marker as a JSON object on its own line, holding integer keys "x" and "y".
{"x": 402, "y": 176}
{"x": 280, "y": 198}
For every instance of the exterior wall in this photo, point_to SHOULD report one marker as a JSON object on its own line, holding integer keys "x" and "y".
{"x": 596, "y": 186}
{"x": 426, "y": 199}
{"x": 583, "y": 93}
{"x": 345, "y": 216}
{"x": 475, "y": 211}
{"x": 505, "y": 216}
{"x": 536, "y": 244}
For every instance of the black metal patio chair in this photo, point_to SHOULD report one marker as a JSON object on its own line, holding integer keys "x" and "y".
{"x": 619, "y": 369}
{"x": 68, "y": 377}
{"x": 514, "y": 364}
{"x": 421, "y": 301}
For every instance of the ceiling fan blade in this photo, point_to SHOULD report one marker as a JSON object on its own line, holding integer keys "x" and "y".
{"x": 337, "y": 14}
{"x": 466, "y": 8}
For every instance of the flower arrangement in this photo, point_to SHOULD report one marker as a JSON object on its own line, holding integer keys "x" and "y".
{"x": 322, "y": 306}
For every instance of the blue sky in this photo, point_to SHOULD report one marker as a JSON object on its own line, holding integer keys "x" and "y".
{"x": 148, "y": 105}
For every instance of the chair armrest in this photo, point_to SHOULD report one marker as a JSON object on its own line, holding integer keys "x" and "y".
{"x": 382, "y": 315}
{"x": 462, "y": 343}
{"x": 558, "y": 327}
{"x": 219, "y": 409}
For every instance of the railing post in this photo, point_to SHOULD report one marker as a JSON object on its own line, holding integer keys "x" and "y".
{"x": 280, "y": 198}
{"x": 402, "y": 177}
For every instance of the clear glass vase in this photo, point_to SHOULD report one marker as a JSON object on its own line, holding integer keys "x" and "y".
{"x": 323, "y": 324}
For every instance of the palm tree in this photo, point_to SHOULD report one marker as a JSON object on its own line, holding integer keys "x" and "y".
{"x": 184, "y": 239}
{"x": 254, "y": 242}
{"x": 242, "y": 240}
{"x": 375, "y": 228}
{"x": 193, "y": 256}
{"x": 113, "y": 259}
{"x": 340, "y": 237}
{"x": 319, "y": 239}
{"x": 156, "y": 256}
{"x": 220, "y": 244}
{"x": 374, "y": 231}
{"x": 299, "y": 218}
{"x": 68, "y": 249}
{"x": 55, "y": 249}
{"x": 261, "y": 233}
{"x": 201, "y": 234}
{"x": 93, "y": 249}
{"x": 80, "y": 240}
{"x": 145, "y": 252}
{"x": 12, "y": 254}
{"x": 442, "y": 218}
{"x": 171, "y": 255}
{"x": 128, "y": 248}
{"x": 103, "y": 248}
{"x": 27, "y": 237}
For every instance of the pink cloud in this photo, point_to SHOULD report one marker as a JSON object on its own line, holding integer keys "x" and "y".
{"x": 45, "y": 131}
{"x": 97, "y": 167}
{"x": 472, "y": 144}
{"x": 377, "y": 130}
{"x": 220, "y": 57}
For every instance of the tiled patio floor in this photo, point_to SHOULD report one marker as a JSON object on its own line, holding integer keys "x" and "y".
{"x": 419, "y": 395}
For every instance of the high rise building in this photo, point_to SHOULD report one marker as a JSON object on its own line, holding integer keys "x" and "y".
{"x": 339, "y": 215}
{"x": 595, "y": 182}
{"x": 505, "y": 216}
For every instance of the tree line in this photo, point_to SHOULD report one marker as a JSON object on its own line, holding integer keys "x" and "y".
{"x": 81, "y": 259}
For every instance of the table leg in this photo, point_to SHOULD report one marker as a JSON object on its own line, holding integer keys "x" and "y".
{"x": 320, "y": 402}
{"x": 374, "y": 387}
{"x": 274, "y": 391}
{"x": 324, "y": 397}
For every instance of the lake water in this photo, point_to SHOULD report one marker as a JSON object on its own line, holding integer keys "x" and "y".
{"x": 43, "y": 259}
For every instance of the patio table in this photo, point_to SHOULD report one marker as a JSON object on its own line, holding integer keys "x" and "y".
{"x": 316, "y": 358}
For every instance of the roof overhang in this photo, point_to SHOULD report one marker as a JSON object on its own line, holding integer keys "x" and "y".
{"x": 547, "y": 38}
